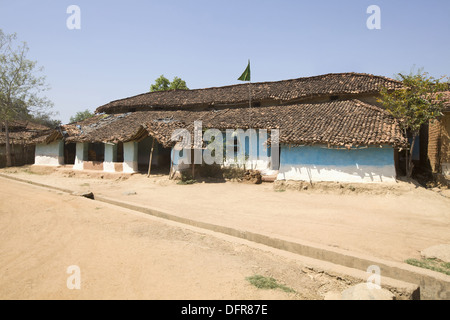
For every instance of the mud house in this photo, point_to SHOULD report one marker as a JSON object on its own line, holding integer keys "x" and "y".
{"x": 331, "y": 128}
{"x": 439, "y": 143}
{"x": 22, "y": 146}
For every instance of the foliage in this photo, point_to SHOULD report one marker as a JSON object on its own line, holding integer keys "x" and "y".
{"x": 262, "y": 282}
{"x": 210, "y": 171}
{"x": 432, "y": 264}
{"x": 420, "y": 101}
{"x": 163, "y": 84}
{"x": 46, "y": 120}
{"x": 178, "y": 84}
{"x": 186, "y": 178}
{"x": 81, "y": 115}
{"x": 233, "y": 173}
{"x": 21, "y": 85}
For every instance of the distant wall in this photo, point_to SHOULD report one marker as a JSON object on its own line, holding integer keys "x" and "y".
{"x": 319, "y": 163}
{"x": 49, "y": 154}
{"x": 439, "y": 145}
{"x": 20, "y": 155}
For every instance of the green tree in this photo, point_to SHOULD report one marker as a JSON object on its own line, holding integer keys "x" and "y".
{"x": 81, "y": 115}
{"x": 20, "y": 85}
{"x": 419, "y": 102}
{"x": 178, "y": 84}
{"x": 163, "y": 84}
{"x": 46, "y": 120}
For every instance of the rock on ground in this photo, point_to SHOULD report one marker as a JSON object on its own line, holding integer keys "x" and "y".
{"x": 441, "y": 252}
{"x": 362, "y": 292}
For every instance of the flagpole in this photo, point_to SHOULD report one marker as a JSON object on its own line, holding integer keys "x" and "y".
{"x": 250, "y": 147}
{"x": 249, "y": 99}
{"x": 246, "y": 77}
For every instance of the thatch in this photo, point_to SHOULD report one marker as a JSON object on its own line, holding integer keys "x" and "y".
{"x": 286, "y": 91}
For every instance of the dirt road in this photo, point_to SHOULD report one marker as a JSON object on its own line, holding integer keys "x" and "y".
{"x": 126, "y": 255}
{"x": 389, "y": 222}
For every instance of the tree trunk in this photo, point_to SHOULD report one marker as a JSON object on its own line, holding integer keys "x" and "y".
{"x": 410, "y": 162}
{"x": 7, "y": 146}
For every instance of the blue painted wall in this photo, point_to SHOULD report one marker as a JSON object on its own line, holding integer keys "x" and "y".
{"x": 322, "y": 156}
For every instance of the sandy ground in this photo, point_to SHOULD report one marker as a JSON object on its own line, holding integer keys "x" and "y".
{"x": 393, "y": 222}
{"x": 127, "y": 255}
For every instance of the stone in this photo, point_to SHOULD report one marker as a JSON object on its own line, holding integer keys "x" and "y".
{"x": 333, "y": 295}
{"x": 362, "y": 292}
{"x": 445, "y": 193}
{"x": 252, "y": 176}
{"x": 441, "y": 252}
{"x": 129, "y": 193}
{"x": 88, "y": 194}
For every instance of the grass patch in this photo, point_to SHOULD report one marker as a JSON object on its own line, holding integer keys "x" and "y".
{"x": 191, "y": 181}
{"x": 432, "y": 264}
{"x": 84, "y": 185}
{"x": 186, "y": 178}
{"x": 262, "y": 282}
{"x": 231, "y": 173}
{"x": 29, "y": 171}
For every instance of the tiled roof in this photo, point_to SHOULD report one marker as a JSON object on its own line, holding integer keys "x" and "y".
{"x": 22, "y": 132}
{"x": 336, "y": 123}
{"x": 277, "y": 92}
{"x": 446, "y": 96}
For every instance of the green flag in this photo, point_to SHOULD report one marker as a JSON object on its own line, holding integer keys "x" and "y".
{"x": 246, "y": 75}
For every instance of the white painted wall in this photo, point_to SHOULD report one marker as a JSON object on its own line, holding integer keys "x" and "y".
{"x": 110, "y": 157}
{"x": 356, "y": 174}
{"x": 51, "y": 154}
{"x": 81, "y": 155}
{"x": 130, "y": 157}
{"x": 261, "y": 165}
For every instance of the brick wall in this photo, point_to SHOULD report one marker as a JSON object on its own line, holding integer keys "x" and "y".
{"x": 439, "y": 142}
{"x": 445, "y": 151}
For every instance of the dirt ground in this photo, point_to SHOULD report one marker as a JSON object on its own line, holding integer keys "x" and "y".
{"x": 391, "y": 221}
{"x": 127, "y": 255}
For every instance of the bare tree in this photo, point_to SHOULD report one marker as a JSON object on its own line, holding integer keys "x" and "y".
{"x": 20, "y": 85}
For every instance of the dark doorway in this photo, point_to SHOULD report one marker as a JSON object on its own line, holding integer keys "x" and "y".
{"x": 70, "y": 153}
{"x": 119, "y": 152}
{"x": 160, "y": 158}
{"x": 96, "y": 152}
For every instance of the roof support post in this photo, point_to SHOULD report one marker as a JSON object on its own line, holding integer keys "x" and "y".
{"x": 151, "y": 157}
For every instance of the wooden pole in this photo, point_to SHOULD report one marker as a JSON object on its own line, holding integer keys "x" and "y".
{"x": 7, "y": 146}
{"x": 171, "y": 164}
{"x": 151, "y": 156}
{"x": 193, "y": 164}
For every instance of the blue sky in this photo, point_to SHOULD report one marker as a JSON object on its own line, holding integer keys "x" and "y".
{"x": 123, "y": 46}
